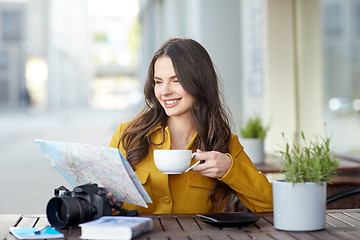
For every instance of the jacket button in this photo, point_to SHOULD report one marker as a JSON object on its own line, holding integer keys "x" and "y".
{"x": 166, "y": 199}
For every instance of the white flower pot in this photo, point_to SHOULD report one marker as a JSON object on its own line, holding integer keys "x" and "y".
{"x": 254, "y": 148}
{"x": 299, "y": 206}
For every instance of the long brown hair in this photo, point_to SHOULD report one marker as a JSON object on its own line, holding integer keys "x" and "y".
{"x": 195, "y": 71}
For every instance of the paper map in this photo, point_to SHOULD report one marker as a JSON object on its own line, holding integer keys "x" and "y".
{"x": 80, "y": 163}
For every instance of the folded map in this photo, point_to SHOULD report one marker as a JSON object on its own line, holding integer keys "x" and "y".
{"x": 80, "y": 163}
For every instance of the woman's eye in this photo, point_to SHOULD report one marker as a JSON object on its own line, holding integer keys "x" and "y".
{"x": 158, "y": 82}
{"x": 176, "y": 80}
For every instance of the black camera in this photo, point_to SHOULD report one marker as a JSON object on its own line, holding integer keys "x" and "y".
{"x": 85, "y": 203}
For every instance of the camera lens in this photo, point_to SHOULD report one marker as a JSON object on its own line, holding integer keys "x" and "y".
{"x": 66, "y": 211}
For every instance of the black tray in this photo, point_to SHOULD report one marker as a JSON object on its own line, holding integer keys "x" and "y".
{"x": 230, "y": 219}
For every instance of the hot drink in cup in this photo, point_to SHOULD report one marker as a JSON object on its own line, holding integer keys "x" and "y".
{"x": 174, "y": 161}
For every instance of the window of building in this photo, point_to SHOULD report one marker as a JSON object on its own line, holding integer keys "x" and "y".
{"x": 11, "y": 26}
{"x": 3, "y": 60}
{"x": 341, "y": 66}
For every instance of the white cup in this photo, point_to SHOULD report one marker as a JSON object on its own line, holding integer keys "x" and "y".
{"x": 174, "y": 161}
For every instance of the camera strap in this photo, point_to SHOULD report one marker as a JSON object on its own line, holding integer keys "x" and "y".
{"x": 119, "y": 210}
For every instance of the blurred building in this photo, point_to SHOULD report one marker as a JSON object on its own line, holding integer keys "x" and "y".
{"x": 57, "y": 45}
{"x": 13, "y": 92}
{"x": 60, "y": 54}
{"x": 281, "y": 59}
{"x": 68, "y": 53}
{"x": 44, "y": 56}
{"x": 293, "y": 62}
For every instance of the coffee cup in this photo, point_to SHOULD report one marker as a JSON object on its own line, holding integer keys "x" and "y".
{"x": 174, "y": 161}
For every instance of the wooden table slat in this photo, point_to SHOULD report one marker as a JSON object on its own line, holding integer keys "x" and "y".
{"x": 354, "y": 233}
{"x": 189, "y": 224}
{"x": 205, "y": 226}
{"x": 302, "y": 235}
{"x": 332, "y": 221}
{"x": 180, "y": 238}
{"x": 7, "y": 221}
{"x": 327, "y": 235}
{"x": 262, "y": 236}
{"x": 157, "y": 225}
{"x": 346, "y": 219}
{"x": 42, "y": 222}
{"x": 198, "y": 238}
{"x": 240, "y": 236}
{"x": 156, "y": 238}
{"x": 264, "y": 223}
{"x": 354, "y": 215}
{"x": 73, "y": 231}
{"x": 27, "y": 222}
{"x": 347, "y": 235}
{"x": 220, "y": 237}
{"x": 342, "y": 224}
{"x": 9, "y": 236}
{"x": 280, "y": 235}
{"x": 170, "y": 224}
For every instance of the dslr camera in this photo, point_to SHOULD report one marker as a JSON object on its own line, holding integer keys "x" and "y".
{"x": 85, "y": 203}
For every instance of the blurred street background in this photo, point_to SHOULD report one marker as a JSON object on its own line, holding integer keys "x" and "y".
{"x": 73, "y": 70}
{"x": 26, "y": 177}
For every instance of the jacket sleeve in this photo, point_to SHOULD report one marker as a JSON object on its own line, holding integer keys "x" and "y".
{"x": 250, "y": 185}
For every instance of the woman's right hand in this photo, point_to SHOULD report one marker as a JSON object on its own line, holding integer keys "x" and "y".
{"x": 215, "y": 164}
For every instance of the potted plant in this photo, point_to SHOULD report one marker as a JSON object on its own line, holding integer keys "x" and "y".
{"x": 300, "y": 199}
{"x": 252, "y": 139}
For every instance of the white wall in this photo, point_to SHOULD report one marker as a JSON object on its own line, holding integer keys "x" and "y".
{"x": 309, "y": 67}
{"x": 293, "y": 70}
{"x": 280, "y": 75}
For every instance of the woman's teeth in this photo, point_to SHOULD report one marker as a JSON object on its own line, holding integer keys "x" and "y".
{"x": 171, "y": 101}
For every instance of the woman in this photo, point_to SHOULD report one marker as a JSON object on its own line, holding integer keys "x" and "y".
{"x": 183, "y": 111}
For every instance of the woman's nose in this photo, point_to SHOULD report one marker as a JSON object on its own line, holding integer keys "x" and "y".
{"x": 166, "y": 89}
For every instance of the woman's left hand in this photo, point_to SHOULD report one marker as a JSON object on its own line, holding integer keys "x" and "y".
{"x": 215, "y": 165}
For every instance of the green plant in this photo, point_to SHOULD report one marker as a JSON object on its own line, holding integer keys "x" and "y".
{"x": 309, "y": 162}
{"x": 254, "y": 129}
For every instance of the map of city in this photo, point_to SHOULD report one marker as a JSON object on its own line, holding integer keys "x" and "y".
{"x": 80, "y": 163}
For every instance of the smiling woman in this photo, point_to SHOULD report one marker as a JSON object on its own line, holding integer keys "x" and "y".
{"x": 184, "y": 111}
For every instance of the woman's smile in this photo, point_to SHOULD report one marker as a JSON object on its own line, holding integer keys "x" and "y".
{"x": 171, "y": 102}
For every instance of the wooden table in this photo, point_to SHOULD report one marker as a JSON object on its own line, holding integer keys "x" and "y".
{"x": 340, "y": 224}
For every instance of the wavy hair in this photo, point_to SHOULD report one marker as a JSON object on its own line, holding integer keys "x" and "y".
{"x": 195, "y": 72}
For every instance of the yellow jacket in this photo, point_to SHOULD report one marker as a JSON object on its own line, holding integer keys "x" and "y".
{"x": 189, "y": 192}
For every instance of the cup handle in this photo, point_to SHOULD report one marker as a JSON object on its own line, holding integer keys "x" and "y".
{"x": 195, "y": 164}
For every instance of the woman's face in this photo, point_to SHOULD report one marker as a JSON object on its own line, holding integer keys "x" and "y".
{"x": 168, "y": 90}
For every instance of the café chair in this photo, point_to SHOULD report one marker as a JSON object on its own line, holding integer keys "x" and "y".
{"x": 340, "y": 195}
{"x": 343, "y": 192}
